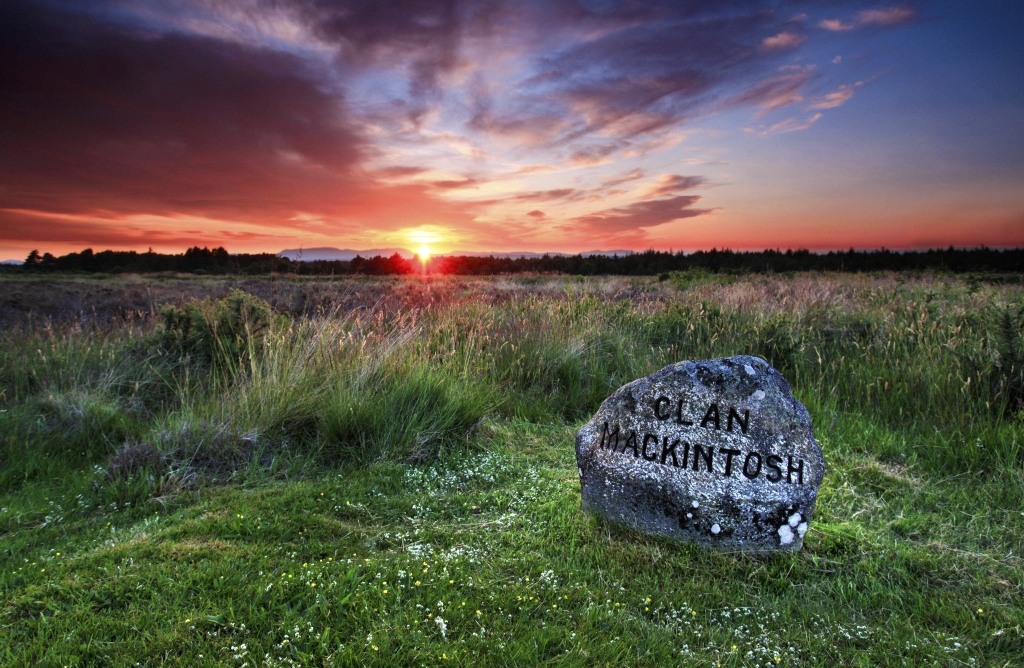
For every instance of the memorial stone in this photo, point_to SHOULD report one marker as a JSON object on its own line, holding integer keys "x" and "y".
{"x": 716, "y": 452}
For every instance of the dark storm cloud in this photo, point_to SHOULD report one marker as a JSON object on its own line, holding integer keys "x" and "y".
{"x": 422, "y": 36}
{"x": 157, "y": 120}
{"x": 640, "y": 215}
{"x": 116, "y": 118}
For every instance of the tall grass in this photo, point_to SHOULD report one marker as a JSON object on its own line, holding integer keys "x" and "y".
{"x": 933, "y": 364}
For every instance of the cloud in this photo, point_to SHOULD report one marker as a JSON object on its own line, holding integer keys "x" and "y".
{"x": 792, "y": 125}
{"x": 669, "y": 184}
{"x": 777, "y": 91}
{"x": 630, "y": 70}
{"x": 536, "y": 213}
{"x": 834, "y": 99}
{"x": 640, "y": 215}
{"x": 593, "y": 156}
{"x": 837, "y": 60}
{"x": 400, "y": 171}
{"x": 880, "y": 17}
{"x": 885, "y": 17}
{"x": 26, "y": 225}
{"x": 420, "y": 39}
{"x": 162, "y": 121}
{"x": 553, "y": 195}
{"x": 835, "y": 25}
{"x": 453, "y": 184}
{"x": 338, "y": 117}
{"x": 634, "y": 174}
{"x": 114, "y": 118}
{"x": 783, "y": 40}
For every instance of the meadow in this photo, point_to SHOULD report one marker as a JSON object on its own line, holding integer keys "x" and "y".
{"x": 380, "y": 471}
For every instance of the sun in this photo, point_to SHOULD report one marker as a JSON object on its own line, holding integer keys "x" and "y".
{"x": 424, "y": 253}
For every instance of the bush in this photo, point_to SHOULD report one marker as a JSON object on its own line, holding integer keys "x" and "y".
{"x": 217, "y": 331}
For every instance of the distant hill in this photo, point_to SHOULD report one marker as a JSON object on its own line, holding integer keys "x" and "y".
{"x": 530, "y": 255}
{"x": 343, "y": 254}
{"x": 12, "y": 261}
{"x": 346, "y": 254}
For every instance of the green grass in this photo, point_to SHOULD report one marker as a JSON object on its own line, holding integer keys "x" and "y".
{"x": 321, "y": 490}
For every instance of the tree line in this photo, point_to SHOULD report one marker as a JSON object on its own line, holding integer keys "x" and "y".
{"x": 198, "y": 260}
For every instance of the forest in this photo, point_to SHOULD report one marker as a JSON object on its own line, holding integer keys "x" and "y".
{"x": 198, "y": 260}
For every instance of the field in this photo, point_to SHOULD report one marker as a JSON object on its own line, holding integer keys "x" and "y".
{"x": 380, "y": 471}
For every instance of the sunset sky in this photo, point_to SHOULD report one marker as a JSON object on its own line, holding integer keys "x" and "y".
{"x": 503, "y": 126}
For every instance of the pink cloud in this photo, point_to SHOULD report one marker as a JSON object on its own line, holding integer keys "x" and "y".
{"x": 784, "y": 40}
{"x": 669, "y": 184}
{"x": 776, "y": 92}
{"x": 641, "y": 214}
{"x": 835, "y": 25}
{"x": 792, "y": 125}
{"x": 835, "y": 99}
{"x": 885, "y": 17}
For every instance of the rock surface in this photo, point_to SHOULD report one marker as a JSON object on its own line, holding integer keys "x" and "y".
{"x": 716, "y": 452}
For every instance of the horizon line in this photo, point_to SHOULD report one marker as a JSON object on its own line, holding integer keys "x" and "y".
{"x": 520, "y": 253}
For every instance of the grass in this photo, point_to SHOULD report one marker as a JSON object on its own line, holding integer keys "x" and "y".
{"x": 387, "y": 477}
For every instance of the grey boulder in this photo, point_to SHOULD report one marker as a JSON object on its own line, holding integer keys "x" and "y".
{"x": 716, "y": 452}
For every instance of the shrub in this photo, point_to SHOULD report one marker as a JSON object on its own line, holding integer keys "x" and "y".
{"x": 217, "y": 331}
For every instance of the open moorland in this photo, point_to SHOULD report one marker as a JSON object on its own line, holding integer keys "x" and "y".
{"x": 380, "y": 471}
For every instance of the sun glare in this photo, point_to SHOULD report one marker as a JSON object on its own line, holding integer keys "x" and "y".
{"x": 424, "y": 253}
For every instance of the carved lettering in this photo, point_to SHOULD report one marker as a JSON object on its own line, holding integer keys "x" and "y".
{"x": 679, "y": 415}
{"x": 790, "y": 470}
{"x": 700, "y": 453}
{"x": 729, "y": 454}
{"x": 631, "y": 444}
{"x": 647, "y": 438}
{"x": 676, "y": 453}
{"x": 711, "y": 416}
{"x": 607, "y": 444}
{"x": 746, "y": 465}
{"x": 670, "y": 449}
{"x": 743, "y": 422}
